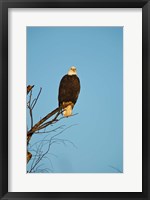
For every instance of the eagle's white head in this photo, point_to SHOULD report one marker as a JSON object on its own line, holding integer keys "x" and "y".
{"x": 72, "y": 71}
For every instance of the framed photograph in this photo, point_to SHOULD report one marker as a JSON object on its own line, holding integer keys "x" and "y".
{"x": 74, "y": 99}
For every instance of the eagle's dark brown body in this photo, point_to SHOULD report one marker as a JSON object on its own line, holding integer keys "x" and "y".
{"x": 69, "y": 89}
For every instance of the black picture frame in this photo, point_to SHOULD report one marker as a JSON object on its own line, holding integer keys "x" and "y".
{"x": 4, "y": 6}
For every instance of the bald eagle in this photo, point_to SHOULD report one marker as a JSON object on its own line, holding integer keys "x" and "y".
{"x": 69, "y": 89}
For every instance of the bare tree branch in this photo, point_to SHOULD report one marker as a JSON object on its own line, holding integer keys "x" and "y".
{"x": 37, "y": 125}
{"x": 53, "y": 117}
{"x": 54, "y": 130}
{"x": 115, "y": 168}
{"x": 39, "y": 153}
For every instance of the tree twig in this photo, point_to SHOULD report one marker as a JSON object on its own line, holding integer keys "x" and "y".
{"x": 35, "y": 100}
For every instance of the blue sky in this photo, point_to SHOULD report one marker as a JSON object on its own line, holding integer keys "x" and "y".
{"x": 97, "y": 53}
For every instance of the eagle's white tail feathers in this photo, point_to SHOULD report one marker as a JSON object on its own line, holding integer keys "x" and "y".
{"x": 67, "y": 111}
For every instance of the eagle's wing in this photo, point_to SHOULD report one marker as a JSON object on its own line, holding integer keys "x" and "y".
{"x": 69, "y": 89}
